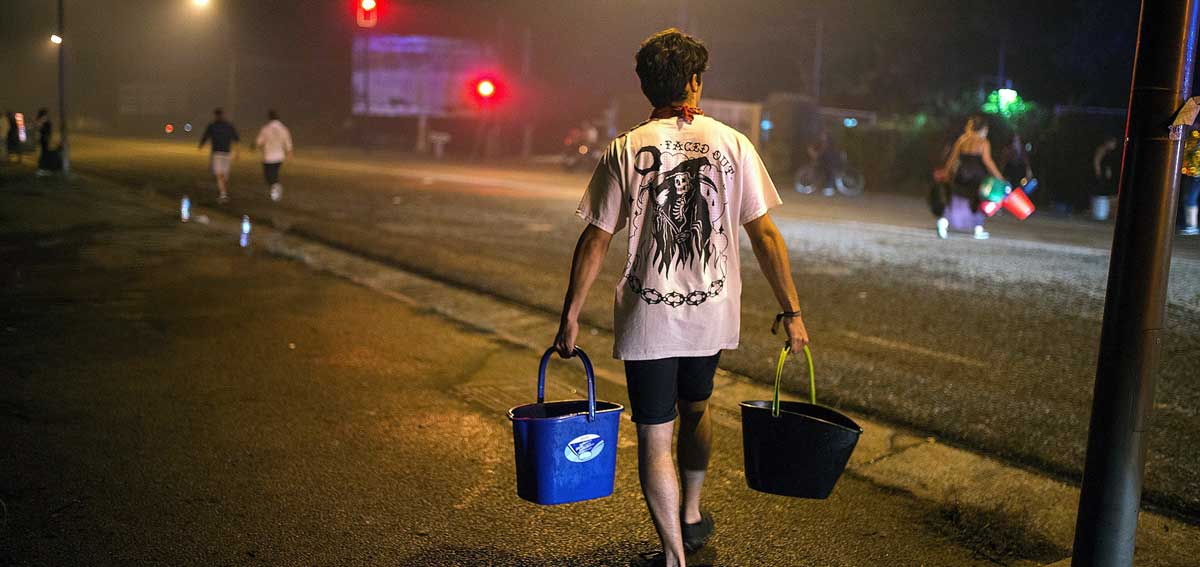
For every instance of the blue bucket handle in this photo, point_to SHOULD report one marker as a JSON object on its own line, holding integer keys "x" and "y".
{"x": 587, "y": 368}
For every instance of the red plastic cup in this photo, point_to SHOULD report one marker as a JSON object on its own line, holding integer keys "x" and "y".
{"x": 1018, "y": 204}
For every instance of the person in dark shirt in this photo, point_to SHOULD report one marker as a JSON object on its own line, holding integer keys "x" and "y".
{"x": 45, "y": 131}
{"x": 224, "y": 138}
{"x": 1106, "y": 165}
{"x": 10, "y": 136}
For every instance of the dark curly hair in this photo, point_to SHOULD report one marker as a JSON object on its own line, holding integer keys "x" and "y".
{"x": 666, "y": 62}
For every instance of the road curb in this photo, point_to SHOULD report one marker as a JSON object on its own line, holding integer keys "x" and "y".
{"x": 887, "y": 456}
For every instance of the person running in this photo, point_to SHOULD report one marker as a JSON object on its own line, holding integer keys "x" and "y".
{"x": 682, "y": 184}
{"x": 969, "y": 164}
{"x": 275, "y": 141}
{"x": 224, "y": 150}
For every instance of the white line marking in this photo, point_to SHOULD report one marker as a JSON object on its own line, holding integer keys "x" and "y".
{"x": 914, "y": 349}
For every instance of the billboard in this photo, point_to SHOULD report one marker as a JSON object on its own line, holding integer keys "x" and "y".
{"x": 413, "y": 75}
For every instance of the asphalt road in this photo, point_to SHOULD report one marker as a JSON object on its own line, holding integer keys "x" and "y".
{"x": 991, "y": 345}
{"x": 169, "y": 398}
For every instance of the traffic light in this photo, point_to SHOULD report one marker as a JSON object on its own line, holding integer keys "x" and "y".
{"x": 486, "y": 91}
{"x": 485, "y": 88}
{"x": 368, "y": 13}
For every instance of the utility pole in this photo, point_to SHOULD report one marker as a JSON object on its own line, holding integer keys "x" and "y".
{"x": 62, "y": 91}
{"x": 1130, "y": 340}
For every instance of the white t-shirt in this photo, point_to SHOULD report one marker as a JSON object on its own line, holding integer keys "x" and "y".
{"x": 275, "y": 141}
{"x": 683, "y": 190}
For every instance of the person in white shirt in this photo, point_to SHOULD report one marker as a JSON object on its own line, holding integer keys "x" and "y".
{"x": 682, "y": 184}
{"x": 275, "y": 141}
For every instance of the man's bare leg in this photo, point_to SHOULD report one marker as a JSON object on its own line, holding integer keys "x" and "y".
{"x": 695, "y": 446}
{"x": 660, "y": 486}
{"x": 221, "y": 187}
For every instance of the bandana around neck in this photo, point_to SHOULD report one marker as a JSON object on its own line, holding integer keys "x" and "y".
{"x": 687, "y": 113}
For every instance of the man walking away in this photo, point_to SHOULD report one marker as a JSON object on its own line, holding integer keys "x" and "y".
{"x": 682, "y": 184}
{"x": 223, "y": 136}
{"x": 275, "y": 141}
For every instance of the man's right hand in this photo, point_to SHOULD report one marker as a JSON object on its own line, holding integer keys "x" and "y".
{"x": 796, "y": 333}
{"x": 564, "y": 343}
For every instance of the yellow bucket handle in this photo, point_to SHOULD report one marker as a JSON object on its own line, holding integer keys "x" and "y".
{"x": 812, "y": 380}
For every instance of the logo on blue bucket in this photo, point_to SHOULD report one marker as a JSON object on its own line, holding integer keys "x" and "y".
{"x": 584, "y": 448}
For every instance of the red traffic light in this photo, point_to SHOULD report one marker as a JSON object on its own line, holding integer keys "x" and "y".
{"x": 368, "y": 13}
{"x": 485, "y": 88}
{"x": 486, "y": 91}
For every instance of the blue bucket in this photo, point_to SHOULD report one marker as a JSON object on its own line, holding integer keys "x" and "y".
{"x": 566, "y": 451}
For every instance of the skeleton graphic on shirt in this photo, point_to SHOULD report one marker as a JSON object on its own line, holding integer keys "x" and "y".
{"x": 683, "y": 209}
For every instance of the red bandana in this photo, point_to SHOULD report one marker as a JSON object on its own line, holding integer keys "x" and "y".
{"x": 687, "y": 113}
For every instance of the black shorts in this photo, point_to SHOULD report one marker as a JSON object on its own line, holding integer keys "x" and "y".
{"x": 655, "y": 386}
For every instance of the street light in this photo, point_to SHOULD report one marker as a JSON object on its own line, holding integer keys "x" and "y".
{"x": 55, "y": 39}
{"x": 200, "y": 3}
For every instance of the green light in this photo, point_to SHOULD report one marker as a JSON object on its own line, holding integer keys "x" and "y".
{"x": 1005, "y": 102}
{"x": 1007, "y": 97}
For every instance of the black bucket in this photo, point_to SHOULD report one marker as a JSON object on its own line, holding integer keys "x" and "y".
{"x": 795, "y": 448}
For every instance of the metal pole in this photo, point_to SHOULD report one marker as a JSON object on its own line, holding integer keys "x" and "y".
{"x": 1134, "y": 308}
{"x": 62, "y": 91}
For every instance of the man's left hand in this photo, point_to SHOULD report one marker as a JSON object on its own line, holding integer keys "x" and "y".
{"x": 796, "y": 333}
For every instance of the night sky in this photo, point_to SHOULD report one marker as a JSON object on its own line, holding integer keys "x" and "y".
{"x": 885, "y": 55}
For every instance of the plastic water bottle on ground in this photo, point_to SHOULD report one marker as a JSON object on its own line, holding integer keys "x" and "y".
{"x": 185, "y": 209}
{"x": 245, "y": 240}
